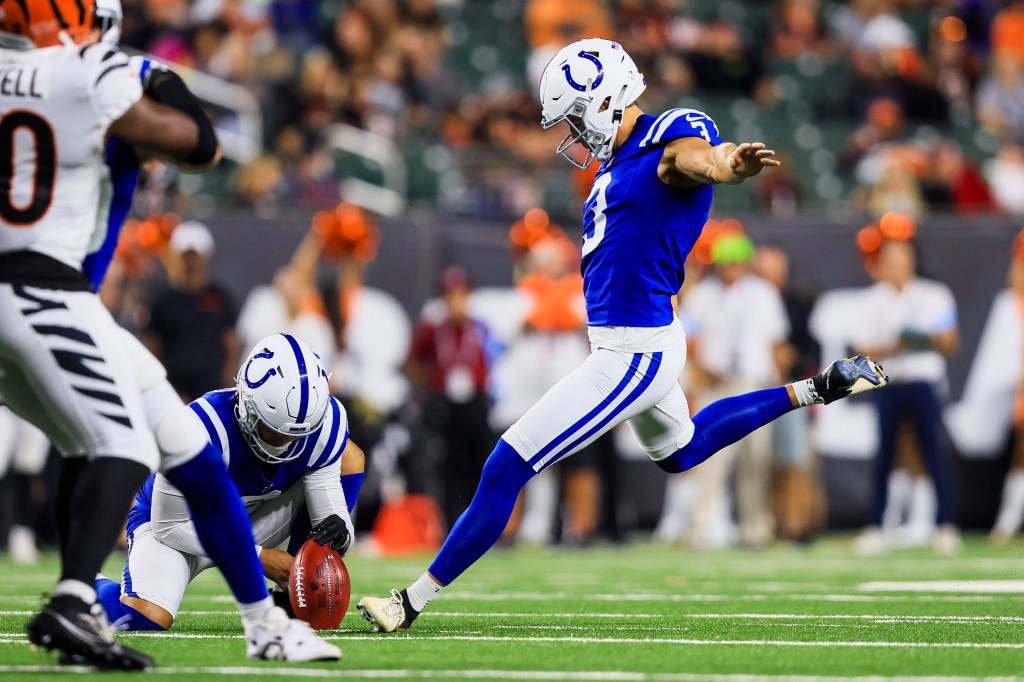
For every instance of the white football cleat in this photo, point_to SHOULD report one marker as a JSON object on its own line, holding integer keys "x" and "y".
{"x": 279, "y": 638}
{"x": 386, "y": 614}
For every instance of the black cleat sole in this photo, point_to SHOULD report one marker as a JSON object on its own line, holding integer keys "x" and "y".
{"x": 51, "y": 630}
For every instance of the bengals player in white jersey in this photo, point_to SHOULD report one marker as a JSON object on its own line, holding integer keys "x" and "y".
{"x": 65, "y": 366}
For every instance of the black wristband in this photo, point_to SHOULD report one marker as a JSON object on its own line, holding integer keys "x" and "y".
{"x": 166, "y": 87}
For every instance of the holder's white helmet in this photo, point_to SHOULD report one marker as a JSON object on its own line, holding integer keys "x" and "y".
{"x": 283, "y": 386}
{"x": 589, "y": 84}
{"x": 108, "y": 19}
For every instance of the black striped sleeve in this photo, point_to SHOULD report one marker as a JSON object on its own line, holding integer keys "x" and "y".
{"x": 81, "y": 53}
{"x": 112, "y": 67}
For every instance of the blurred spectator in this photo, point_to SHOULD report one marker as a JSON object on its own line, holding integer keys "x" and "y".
{"x": 951, "y": 181}
{"x": 1008, "y": 30}
{"x": 552, "y": 24}
{"x": 1005, "y": 174}
{"x": 799, "y": 502}
{"x": 780, "y": 191}
{"x": 448, "y": 360}
{"x": 909, "y": 325}
{"x": 292, "y": 305}
{"x": 1001, "y": 97}
{"x": 797, "y": 29}
{"x": 884, "y": 127}
{"x": 1011, "y": 509}
{"x": 23, "y": 454}
{"x": 956, "y": 67}
{"x": 741, "y": 322}
{"x": 191, "y": 327}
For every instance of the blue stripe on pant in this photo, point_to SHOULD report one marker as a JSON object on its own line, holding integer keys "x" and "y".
{"x": 585, "y": 419}
{"x": 649, "y": 374}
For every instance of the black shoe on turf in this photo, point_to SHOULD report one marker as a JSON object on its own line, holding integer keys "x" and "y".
{"x": 282, "y": 599}
{"x": 849, "y": 376}
{"x": 81, "y": 632}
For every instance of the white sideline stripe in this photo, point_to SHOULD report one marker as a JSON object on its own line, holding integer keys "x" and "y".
{"x": 648, "y": 596}
{"x": 595, "y": 676}
{"x": 873, "y": 617}
{"x": 594, "y": 640}
{"x": 880, "y": 617}
{"x": 662, "y": 597}
{"x": 961, "y": 586}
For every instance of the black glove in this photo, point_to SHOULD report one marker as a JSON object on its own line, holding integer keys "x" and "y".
{"x": 333, "y": 532}
{"x": 167, "y": 87}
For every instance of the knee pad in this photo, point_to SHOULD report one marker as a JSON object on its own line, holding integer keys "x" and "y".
{"x": 179, "y": 433}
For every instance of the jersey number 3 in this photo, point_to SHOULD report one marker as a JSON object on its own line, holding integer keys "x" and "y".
{"x": 43, "y": 176}
{"x": 598, "y": 193}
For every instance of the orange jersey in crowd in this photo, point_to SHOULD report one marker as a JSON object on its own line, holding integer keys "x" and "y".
{"x": 557, "y": 303}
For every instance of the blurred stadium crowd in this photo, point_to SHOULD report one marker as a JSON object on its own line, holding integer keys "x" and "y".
{"x": 910, "y": 105}
{"x": 890, "y": 109}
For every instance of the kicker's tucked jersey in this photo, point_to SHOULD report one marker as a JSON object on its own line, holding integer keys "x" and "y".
{"x": 637, "y": 230}
{"x": 216, "y": 410}
{"x": 56, "y": 104}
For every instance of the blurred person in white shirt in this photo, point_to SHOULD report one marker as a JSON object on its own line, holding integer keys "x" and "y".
{"x": 913, "y": 331}
{"x": 1007, "y": 320}
{"x": 742, "y": 325}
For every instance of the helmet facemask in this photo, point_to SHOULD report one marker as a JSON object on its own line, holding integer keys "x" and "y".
{"x": 592, "y": 140}
{"x": 249, "y": 421}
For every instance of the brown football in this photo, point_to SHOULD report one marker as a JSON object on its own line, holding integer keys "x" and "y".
{"x": 319, "y": 587}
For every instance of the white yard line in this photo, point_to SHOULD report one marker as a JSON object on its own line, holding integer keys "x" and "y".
{"x": 14, "y": 637}
{"x": 956, "y": 586}
{"x": 874, "y": 617}
{"x": 582, "y": 676}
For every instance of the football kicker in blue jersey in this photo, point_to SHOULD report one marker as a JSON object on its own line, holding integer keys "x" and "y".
{"x": 637, "y": 231}
{"x": 649, "y": 202}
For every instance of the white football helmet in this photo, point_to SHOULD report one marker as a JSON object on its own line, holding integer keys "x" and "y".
{"x": 589, "y": 84}
{"x": 283, "y": 386}
{"x": 108, "y": 19}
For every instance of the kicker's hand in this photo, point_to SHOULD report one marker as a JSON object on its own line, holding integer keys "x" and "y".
{"x": 334, "y": 533}
{"x": 276, "y": 566}
{"x": 750, "y": 158}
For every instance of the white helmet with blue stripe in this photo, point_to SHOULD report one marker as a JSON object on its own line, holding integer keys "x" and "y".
{"x": 283, "y": 395}
{"x": 589, "y": 84}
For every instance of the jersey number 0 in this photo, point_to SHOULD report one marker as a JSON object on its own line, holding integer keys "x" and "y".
{"x": 43, "y": 177}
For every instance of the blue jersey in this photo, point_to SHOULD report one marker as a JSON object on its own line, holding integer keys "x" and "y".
{"x": 255, "y": 481}
{"x": 637, "y": 231}
{"x": 123, "y": 166}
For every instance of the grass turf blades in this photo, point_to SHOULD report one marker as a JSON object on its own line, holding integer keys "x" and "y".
{"x": 639, "y": 612}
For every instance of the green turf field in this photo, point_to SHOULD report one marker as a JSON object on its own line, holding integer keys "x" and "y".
{"x": 640, "y": 612}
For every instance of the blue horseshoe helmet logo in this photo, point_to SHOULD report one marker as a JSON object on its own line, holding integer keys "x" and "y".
{"x": 597, "y": 81}
{"x": 262, "y": 380}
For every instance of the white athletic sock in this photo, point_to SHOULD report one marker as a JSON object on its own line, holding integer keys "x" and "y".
{"x": 76, "y": 588}
{"x": 422, "y": 591}
{"x": 1011, "y": 510}
{"x": 805, "y": 392}
{"x": 253, "y": 613}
